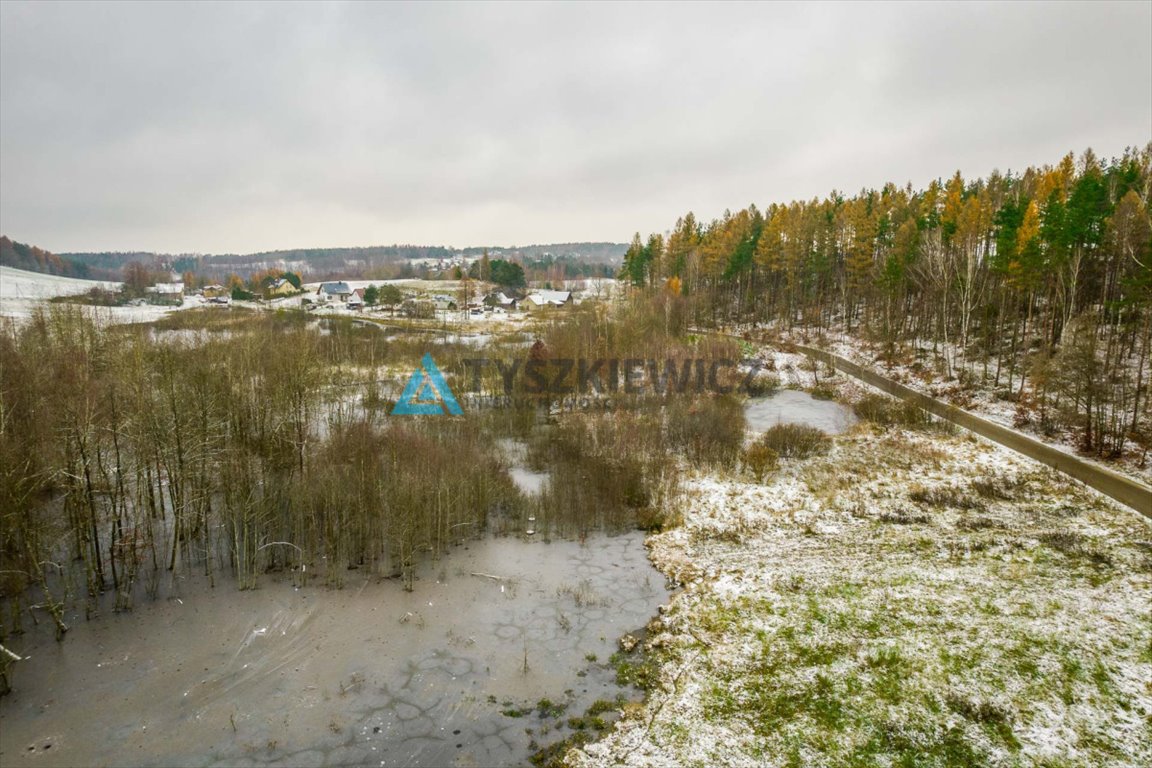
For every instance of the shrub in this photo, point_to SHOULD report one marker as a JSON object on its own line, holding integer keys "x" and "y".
{"x": 796, "y": 441}
{"x": 709, "y": 429}
{"x": 760, "y": 460}
{"x": 762, "y": 385}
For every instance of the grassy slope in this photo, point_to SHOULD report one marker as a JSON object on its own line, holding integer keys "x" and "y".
{"x": 909, "y": 599}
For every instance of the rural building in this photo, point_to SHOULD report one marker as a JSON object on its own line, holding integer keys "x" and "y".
{"x": 547, "y": 299}
{"x": 333, "y": 292}
{"x": 502, "y": 300}
{"x": 167, "y": 294}
{"x": 281, "y": 287}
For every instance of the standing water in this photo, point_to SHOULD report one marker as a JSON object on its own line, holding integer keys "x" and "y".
{"x": 791, "y": 406}
{"x": 516, "y": 453}
{"x": 452, "y": 673}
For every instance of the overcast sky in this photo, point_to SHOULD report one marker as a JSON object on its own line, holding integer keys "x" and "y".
{"x": 237, "y": 128}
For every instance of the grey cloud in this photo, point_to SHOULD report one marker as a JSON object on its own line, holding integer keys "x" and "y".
{"x": 229, "y": 127}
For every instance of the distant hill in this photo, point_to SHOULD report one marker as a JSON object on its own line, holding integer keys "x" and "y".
{"x": 319, "y": 261}
{"x": 338, "y": 261}
{"x": 113, "y": 262}
{"x": 604, "y": 253}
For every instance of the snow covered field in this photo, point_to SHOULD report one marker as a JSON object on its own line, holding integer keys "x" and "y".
{"x": 20, "y": 284}
{"x": 910, "y": 598}
{"x": 22, "y": 293}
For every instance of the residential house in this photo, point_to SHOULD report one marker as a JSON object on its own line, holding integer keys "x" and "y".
{"x": 281, "y": 287}
{"x": 333, "y": 292}
{"x": 501, "y": 300}
{"x": 547, "y": 299}
{"x": 215, "y": 291}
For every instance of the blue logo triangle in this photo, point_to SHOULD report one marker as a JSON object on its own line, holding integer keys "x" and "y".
{"x": 418, "y": 401}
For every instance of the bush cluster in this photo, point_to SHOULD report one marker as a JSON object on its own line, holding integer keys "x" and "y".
{"x": 796, "y": 441}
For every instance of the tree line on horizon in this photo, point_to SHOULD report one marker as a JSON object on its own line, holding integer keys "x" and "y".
{"x": 540, "y": 263}
{"x": 1036, "y": 284}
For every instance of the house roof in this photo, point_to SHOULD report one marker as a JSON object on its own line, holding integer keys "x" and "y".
{"x": 168, "y": 288}
{"x": 334, "y": 289}
{"x": 541, "y": 298}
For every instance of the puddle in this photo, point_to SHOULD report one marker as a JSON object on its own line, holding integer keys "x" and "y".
{"x": 367, "y": 675}
{"x": 789, "y": 406}
{"x": 516, "y": 452}
{"x": 529, "y": 482}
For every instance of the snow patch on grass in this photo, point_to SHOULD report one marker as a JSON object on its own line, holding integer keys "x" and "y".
{"x": 908, "y": 598}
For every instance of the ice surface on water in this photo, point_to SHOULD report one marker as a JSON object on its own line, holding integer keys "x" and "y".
{"x": 516, "y": 453}
{"x": 794, "y": 407}
{"x": 369, "y": 673}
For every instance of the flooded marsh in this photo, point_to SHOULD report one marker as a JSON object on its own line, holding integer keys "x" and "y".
{"x": 367, "y": 675}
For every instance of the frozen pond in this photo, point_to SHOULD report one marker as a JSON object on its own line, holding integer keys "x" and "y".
{"x": 367, "y": 675}
{"x": 789, "y": 406}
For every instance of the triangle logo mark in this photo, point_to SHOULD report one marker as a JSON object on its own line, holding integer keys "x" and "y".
{"x": 427, "y": 393}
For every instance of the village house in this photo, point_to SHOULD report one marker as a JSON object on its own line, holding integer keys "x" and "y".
{"x": 547, "y": 299}
{"x": 281, "y": 287}
{"x": 333, "y": 292}
{"x": 501, "y": 300}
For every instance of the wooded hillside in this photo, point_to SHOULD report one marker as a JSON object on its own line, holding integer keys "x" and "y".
{"x": 1038, "y": 283}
